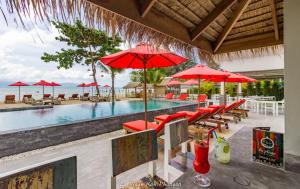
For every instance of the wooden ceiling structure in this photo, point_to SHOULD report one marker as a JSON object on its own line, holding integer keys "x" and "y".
{"x": 213, "y": 26}
{"x": 218, "y": 28}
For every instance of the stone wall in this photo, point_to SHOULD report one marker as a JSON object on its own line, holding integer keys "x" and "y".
{"x": 27, "y": 140}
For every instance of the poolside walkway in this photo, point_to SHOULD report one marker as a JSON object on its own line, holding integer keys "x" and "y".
{"x": 93, "y": 153}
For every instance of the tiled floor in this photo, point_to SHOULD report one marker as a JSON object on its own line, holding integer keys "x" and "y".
{"x": 93, "y": 155}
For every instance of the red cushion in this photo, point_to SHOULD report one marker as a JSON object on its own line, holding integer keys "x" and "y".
{"x": 188, "y": 113}
{"x": 139, "y": 125}
{"x": 183, "y": 97}
{"x": 231, "y": 106}
{"x": 169, "y": 96}
{"x": 161, "y": 117}
{"x": 205, "y": 109}
{"x": 196, "y": 115}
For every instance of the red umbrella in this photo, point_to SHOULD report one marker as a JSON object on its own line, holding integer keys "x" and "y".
{"x": 106, "y": 86}
{"x": 53, "y": 84}
{"x": 93, "y": 84}
{"x": 83, "y": 85}
{"x": 191, "y": 82}
{"x": 19, "y": 84}
{"x": 233, "y": 78}
{"x": 174, "y": 83}
{"x": 43, "y": 83}
{"x": 201, "y": 72}
{"x": 143, "y": 56}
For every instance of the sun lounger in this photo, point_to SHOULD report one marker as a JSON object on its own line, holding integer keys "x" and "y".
{"x": 241, "y": 112}
{"x": 202, "y": 98}
{"x": 10, "y": 99}
{"x": 57, "y": 101}
{"x": 139, "y": 125}
{"x": 214, "y": 118}
{"x": 36, "y": 102}
{"x": 47, "y": 97}
{"x": 85, "y": 97}
{"x": 227, "y": 114}
{"x": 169, "y": 96}
{"x": 28, "y": 96}
{"x": 192, "y": 117}
{"x": 61, "y": 97}
{"x": 96, "y": 99}
{"x": 74, "y": 97}
{"x": 183, "y": 97}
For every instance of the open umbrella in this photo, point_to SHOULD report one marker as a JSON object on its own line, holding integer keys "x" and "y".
{"x": 19, "y": 84}
{"x": 173, "y": 83}
{"x": 83, "y": 85}
{"x": 53, "y": 84}
{"x": 232, "y": 78}
{"x": 93, "y": 84}
{"x": 143, "y": 56}
{"x": 43, "y": 83}
{"x": 191, "y": 82}
{"x": 200, "y": 72}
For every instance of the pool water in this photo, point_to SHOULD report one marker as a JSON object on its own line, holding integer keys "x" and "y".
{"x": 69, "y": 113}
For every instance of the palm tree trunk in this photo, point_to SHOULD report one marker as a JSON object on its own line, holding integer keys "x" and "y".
{"x": 112, "y": 87}
{"x": 94, "y": 77}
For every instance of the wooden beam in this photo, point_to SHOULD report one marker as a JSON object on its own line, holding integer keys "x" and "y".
{"x": 154, "y": 20}
{"x": 274, "y": 18}
{"x": 233, "y": 19}
{"x": 145, "y": 6}
{"x": 251, "y": 42}
{"x": 221, "y": 7}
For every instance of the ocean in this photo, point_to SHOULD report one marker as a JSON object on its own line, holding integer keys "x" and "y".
{"x": 37, "y": 91}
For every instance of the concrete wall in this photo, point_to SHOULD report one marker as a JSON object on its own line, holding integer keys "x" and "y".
{"x": 27, "y": 140}
{"x": 292, "y": 78}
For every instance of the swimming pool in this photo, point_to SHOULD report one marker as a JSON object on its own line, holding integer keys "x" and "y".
{"x": 71, "y": 113}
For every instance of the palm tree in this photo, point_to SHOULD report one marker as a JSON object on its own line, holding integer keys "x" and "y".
{"x": 113, "y": 72}
{"x": 155, "y": 77}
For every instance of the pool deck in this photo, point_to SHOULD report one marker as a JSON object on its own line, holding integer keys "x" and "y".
{"x": 93, "y": 153}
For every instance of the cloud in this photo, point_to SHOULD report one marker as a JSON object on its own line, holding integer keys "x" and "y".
{"x": 20, "y": 53}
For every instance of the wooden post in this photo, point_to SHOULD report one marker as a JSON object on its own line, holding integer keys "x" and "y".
{"x": 19, "y": 93}
{"x": 198, "y": 92}
{"x": 145, "y": 94}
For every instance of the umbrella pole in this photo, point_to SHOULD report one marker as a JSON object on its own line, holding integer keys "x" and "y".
{"x": 19, "y": 94}
{"x": 145, "y": 96}
{"x": 52, "y": 91}
{"x": 198, "y": 92}
{"x": 43, "y": 91}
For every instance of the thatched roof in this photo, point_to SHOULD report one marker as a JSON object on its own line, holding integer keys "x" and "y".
{"x": 165, "y": 81}
{"x": 132, "y": 85}
{"x": 217, "y": 28}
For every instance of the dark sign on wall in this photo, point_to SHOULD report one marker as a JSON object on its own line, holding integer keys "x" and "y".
{"x": 267, "y": 147}
{"x": 60, "y": 174}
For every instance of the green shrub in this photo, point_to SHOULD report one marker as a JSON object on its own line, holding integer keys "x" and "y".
{"x": 250, "y": 89}
{"x": 267, "y": 88}
{"x": 258, "y": 88}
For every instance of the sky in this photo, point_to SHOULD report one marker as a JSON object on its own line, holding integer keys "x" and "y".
{"x": 21, "y": 50}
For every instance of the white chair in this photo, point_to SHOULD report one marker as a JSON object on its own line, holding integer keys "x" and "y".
{"x": 176, "y": 134}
